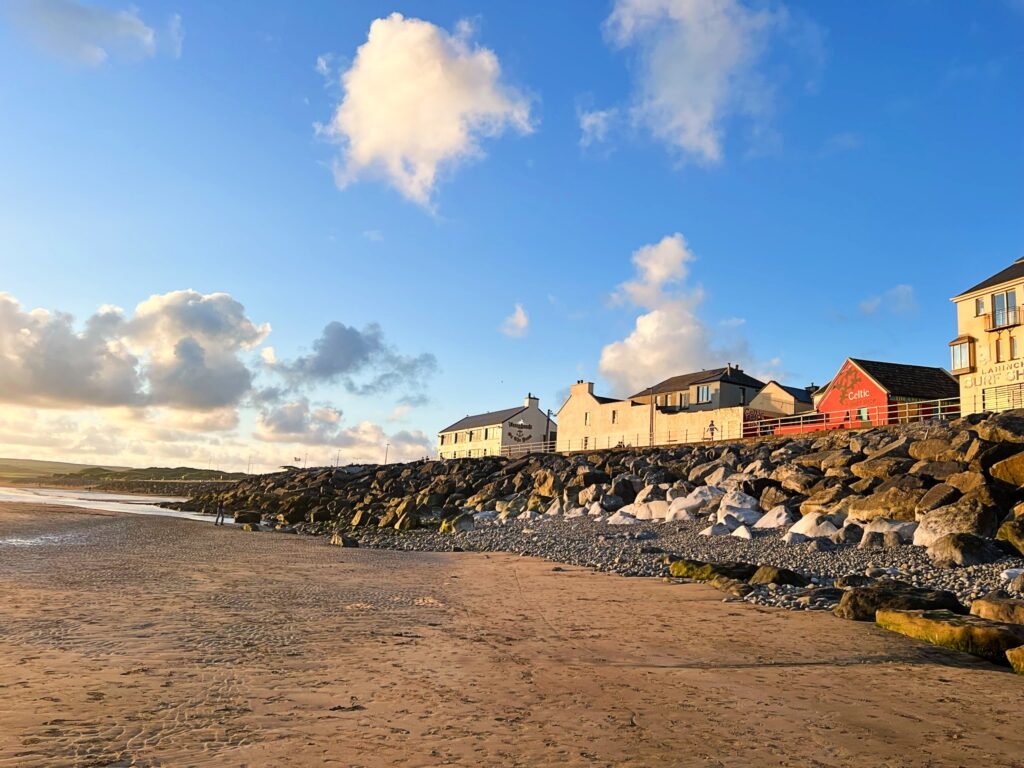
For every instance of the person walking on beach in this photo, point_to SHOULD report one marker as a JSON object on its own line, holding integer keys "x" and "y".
{"x": 220, "y": 514}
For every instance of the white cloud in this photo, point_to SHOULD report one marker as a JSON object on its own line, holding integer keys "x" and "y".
{"x": 361, "y": 360}
{"x": 179, "y": 349}
{"x": 373, "y": 235}
{"x": 516, "y": 324}
{"x": 899, "y": 300}
{"x": 418, "y": 99}
{"x": 669, "y": 338}
{"x": 595, "y": 125}
{"x": 697, "y": 65}
{"x": 323, "y": 64}
{"x": 299, "y": 423}
{"x": 91, "y": 34}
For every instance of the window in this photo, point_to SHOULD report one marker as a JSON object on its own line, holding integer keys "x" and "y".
{"x": 668, "y": 399}
{"x": 1013, "y": 348}
{"x": 615, "y": 417}
{"x": 703, "y": 394}
{"x": 999, "y": 351}
{"x": 586, "y": 418}
{"x": 443, "y": 439}
{"x": 684, "y": 399}
{"x": 862, "y": 414}
{"x": 1004, "y": 309}
{"x": 455, "y": 437}
{"x": 979, "y": 307}
{"x": 586, "y": 443}
{"x": 961, "y": 355}
{"x": 657, "y": 399}
{"x": 471, "y": 435}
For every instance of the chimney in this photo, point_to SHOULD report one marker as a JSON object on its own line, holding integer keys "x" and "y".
{"x": 531, "y": 401}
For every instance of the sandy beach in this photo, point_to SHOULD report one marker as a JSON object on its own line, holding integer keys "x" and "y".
{"x": 150, "y": 641}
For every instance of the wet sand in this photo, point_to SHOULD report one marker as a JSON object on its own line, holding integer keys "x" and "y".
{"x": 150, "y": 641}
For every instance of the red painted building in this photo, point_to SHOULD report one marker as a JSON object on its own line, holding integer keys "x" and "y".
{"x": 867, "y": 392}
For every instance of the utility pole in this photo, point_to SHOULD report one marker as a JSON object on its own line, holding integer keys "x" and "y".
{"x": 387, "y": 447}
{"x": 650, "y": 391}
{"x": 337, "y": 459}
{"x": 547, "y": 430}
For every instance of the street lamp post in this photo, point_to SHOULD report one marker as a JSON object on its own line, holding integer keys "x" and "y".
{"x": 387, "y": 447}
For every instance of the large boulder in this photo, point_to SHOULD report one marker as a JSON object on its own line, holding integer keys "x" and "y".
{"x": 966, "y": 515}
{"x": 546, "y": 483}
{"x": 901, "y": 528}
{"x": 962, "y": 549}
{"x": 937, "y": 496}
{"x": 1015, "y": 656}
{"x": 776, "y": 517}
{"x": 999, "y": 606}
{"x": 928, "y": 449}
{"x": 247, "y": 517}
{"x": 814, "y": 526}
{"x": 971, "y": 634}
{"x": 894, "y": 503}
{"x": 882, "y": 467}
{"x": 824, "y": 501}
{"x": 1009, "y": 471}
{"x": 1005, "y": 427}
{"x": 795, "y": 479}
{"x": 860, "y": 603}
{"x": 458, "y": 524}
{"x": 698, "y": 570}
{"x": 770, "y": 574}
{"x": 936, "y": 470}
{"x": 1012, "y": 532}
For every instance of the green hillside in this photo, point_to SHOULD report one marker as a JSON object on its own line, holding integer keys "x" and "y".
{"x": 31, "y": 470}
{"x": 21, "y": 469}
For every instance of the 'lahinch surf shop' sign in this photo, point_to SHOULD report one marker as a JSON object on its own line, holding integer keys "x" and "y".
{"x": 1009, "y": 372}
{"x": 520, "y": 431}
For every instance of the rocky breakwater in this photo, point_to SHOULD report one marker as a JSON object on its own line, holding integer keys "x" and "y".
{"x": 925, "y": 516}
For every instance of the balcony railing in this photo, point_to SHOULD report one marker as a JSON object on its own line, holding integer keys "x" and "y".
{"x": 1003, "y": 318}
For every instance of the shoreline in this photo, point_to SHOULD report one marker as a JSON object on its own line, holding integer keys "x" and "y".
{"x": 146, "y": 640}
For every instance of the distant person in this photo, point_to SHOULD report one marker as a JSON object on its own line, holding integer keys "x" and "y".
{"x": 220, "y": 514}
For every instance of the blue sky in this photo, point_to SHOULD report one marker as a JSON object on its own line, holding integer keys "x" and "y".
{"x": 834, "y": 176}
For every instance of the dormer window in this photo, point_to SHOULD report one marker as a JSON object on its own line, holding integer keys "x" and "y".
{"x": 962, "y": 355}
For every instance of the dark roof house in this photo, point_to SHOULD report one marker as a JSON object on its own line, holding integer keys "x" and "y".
{"x": 730, "y": 374}
{"x": 1013, "y": 272}
{"x": 919, "y": 382}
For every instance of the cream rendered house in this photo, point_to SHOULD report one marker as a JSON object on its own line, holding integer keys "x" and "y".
{"x": 510, "y": 432}
{"x": 987, "y": 352}
{"x": 783, "y": 400}
{"x": 695, "y": 407}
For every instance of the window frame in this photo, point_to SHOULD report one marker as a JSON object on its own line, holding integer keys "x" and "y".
{"x": 707, "y": 389}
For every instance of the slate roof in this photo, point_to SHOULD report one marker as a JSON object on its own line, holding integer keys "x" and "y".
{"x": 800, "y": 395}
{"x": 1013, "y": 272}
{"x": 484, "y": 419}
{"x": 727, "y": 375}
{"x": 917, "y": 381}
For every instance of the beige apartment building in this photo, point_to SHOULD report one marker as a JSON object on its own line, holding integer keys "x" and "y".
{"x": 715, "y": 404}
{"x": 509, "y": 432}
{"x": 987, "y": 352}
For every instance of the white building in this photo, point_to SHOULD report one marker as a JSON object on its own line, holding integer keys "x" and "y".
{"x": 510, "y": 432}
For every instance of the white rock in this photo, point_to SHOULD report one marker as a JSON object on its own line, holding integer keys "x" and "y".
{"x": 554, "y": 509}
{"x": 814, "y": 525}
{"x": 530, "y": 514}
{"x": 777, "y": 517}
{"x": 905, "y": 530}
{"x": 622, "y": 519}
{"x": 730, "y": 521}
{"x": 743, "y": 514}
{"x": 640, "y": 511}
{"x": 485, "y": 517}
{"x": 595, "y": 509}
{"x": 718, "y": 529}
{"x": 743, "y": 533}
{"x": 741, "y": 500}
{"x": 575, "y": 512}
{"x": 658, "y": 509}
{"x": 794, "y": 538}
{"x": 1010, "y": 574}
{"x": 680, "y": 512}
{"x": 716, "y": 477}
